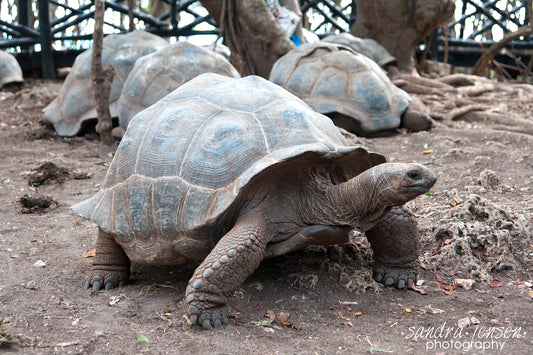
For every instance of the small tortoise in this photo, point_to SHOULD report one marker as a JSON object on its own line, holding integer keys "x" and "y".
{"x": 75, "y": 103}
{"x": 366, "y": 46}
{"x": 348, "y": 87}
{"x": 156, "y": 74}
{"x": 10, "y": 71}
{"x": 228, "y": 171}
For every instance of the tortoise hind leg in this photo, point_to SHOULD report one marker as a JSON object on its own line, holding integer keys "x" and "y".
{"x": 111, "y": 266}
{"x": 395, "y": 243}
{"x": 232, "y": 260}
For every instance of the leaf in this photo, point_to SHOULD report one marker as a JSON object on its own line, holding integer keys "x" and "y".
{"x": 342, "y": 316}
{"x": 357, "y": 314}
{"x": 187, "y": 319}
{"x": 270, "y": 314}
{"x": 283, "y": 317}
{"x": 143, "y": 338}
{"x": 419, "y": 290}
{"x": 89, "y": 253}
{"x": 496, "y": 283}
{"x": 348, "y": 323}
{"x": 408, "y": 310}
{"x": 430, "y": 310}
{"x": 113, "y": 300}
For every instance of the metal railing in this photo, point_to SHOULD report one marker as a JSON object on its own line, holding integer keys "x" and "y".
{"x": 55, "y": 40}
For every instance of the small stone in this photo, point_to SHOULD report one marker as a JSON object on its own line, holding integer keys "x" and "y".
{"x": 39, "y": 263}
{"x": 489, "y": 179}
{"x": 465, "y": 283}
{"x": 464, "y": 322}
{"x": 257, "y": 285}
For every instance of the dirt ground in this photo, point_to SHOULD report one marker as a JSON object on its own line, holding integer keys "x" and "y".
{"x": 475, "y": 225}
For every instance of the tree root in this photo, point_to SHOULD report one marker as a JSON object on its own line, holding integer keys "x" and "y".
{"x": 413, "y": 88}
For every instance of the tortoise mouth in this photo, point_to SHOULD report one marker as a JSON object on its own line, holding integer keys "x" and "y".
{"x": 422, "y": 186}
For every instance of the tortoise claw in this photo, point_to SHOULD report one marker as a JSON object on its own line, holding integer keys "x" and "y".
{"x": 207, "y": 318}
{"x": 106, "y": 279}
{"x": 397, "y": 277}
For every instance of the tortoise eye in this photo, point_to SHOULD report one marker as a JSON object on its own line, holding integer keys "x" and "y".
{"x": 414, "y": 174}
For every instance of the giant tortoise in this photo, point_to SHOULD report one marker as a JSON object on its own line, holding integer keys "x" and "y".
{"x": 348, "y": 87}
{"x": 156, "y": 74}
{"x": 75, "y": 103}
{"x": 227, "y": 172}
{"x": 10, "y": 71}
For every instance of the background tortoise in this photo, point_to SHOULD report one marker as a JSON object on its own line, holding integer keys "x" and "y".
{"x": 366, "y": 46}
{"x": 348, "y": 87}
{"x": 155, "y": 75}
{"x": 228, "y": 171}
{"x": 75, "y": 102}
{"x": 10, "y": 71}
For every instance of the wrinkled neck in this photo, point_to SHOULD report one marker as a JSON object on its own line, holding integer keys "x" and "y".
{"x": 356, "y": 202}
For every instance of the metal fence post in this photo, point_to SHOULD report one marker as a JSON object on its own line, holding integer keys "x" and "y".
{"x": 47, "y": 55}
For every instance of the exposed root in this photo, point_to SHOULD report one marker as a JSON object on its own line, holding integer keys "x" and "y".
{"x": 413, "y": 88}
{"x": 476, "y": 90}
{"x": 458, "y": 80}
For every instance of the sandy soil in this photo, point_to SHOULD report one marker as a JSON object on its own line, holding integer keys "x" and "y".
{"x": 476, "y": 225}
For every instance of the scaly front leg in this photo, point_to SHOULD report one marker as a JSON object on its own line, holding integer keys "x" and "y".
{"x": 234, "y": 258}
{"x": 396, "y": 246}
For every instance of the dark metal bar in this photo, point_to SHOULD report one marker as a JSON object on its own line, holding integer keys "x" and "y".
{"x": 74, "y": 12}
{"x": 192, "y": 24}
{"x": 24, "y": 12}
{"x": 20, "y": 41}
{"x": 47, "y": 56}
{"x": 329, "y": 19}
{"x": 173, "y": 20}
{"x": 82, "y": 18}
{"x": 22, "y": 29}
{"x": 141, "y": 16}
{"x": 336, "y": 10}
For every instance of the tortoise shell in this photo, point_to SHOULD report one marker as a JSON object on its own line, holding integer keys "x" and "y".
{"x": 185, "y": 161}
{"x": 347, "y": 86}
{"x": 366, "y": 46}
{"x": 10, "y": 71}
{"x": 155, "y": 75}
{"x": 75, "y": 102}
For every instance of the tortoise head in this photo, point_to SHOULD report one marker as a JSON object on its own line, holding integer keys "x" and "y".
{"x": 398, "y": 183}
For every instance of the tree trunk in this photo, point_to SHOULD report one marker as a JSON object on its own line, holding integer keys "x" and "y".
{"x": 251, "y": 32}
{"x": 131, "y": 4}
{"x": 101, "y": 78}
{"x": 401, "y": 25}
